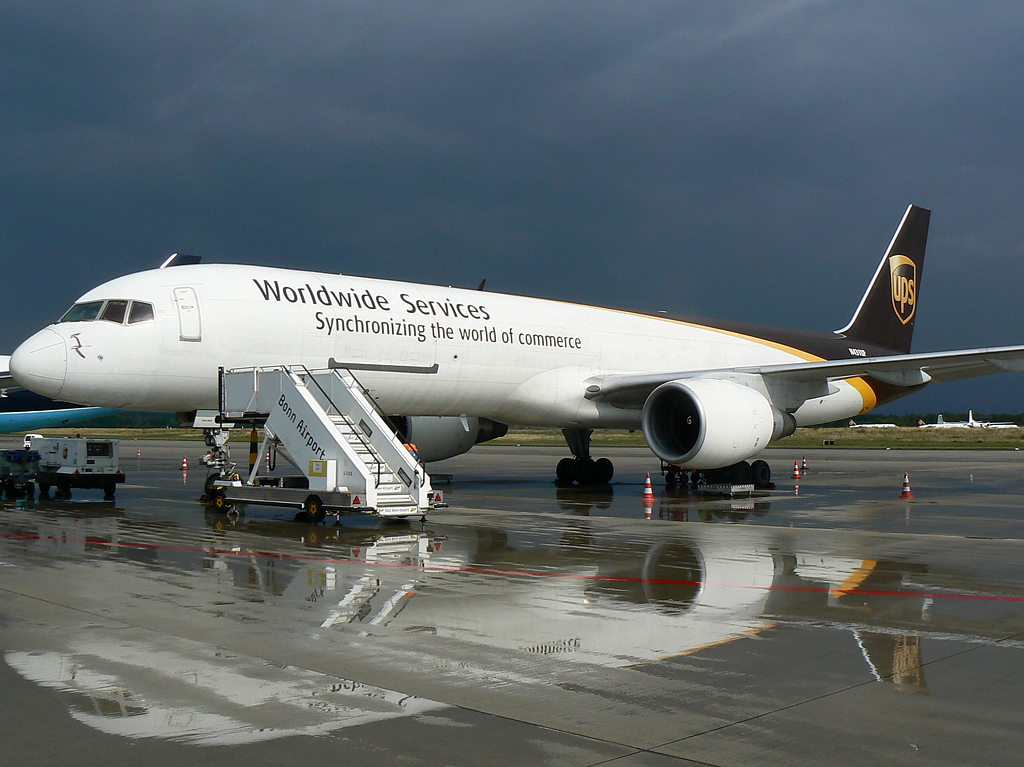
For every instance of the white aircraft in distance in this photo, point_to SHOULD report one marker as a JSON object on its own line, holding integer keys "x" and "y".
{"x": 22, "y": 410}
{"x": 708, "y": 395}
{"x": 970, "y": 423}
{"x": 854, "y": 425}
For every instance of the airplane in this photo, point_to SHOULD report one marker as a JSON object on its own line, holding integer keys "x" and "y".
{"x": 970, "y": 423}
{"x": 708, "y": 395}
{"x": 23, "y": 410}
{"x": 854, "y": 425}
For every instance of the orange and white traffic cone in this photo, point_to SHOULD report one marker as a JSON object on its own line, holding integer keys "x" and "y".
{"x": 906, "y": 486}
{"x": 648, "y": 497}
{"x": 803, "y": 465}
{"x": 184, "y": 463}
{"x": 796, "y": 469}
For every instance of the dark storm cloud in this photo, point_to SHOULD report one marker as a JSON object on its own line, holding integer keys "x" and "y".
{"x": 747, "y": 160}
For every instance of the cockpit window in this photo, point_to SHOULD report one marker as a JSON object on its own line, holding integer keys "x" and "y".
{"x": 140, "y": 312}
{"x": 114, "y": 311}
{"x": 82, "y": 312}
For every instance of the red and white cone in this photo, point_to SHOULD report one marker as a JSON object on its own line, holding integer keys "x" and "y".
{"x": 906, "y": 486}
{"x": 648, "y": 490}
{"x": 140, "y": 453}
{"x": 796, "y": 469}
{"x": 803, "y": 465}
{"x": 184, "y": 463}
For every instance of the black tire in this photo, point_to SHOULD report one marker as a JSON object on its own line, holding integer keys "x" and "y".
{"x": 30, "y": 489}
{"x": 314, "y": 509}
{"x": 220, "y": 501}
{"x": 44, "y": 488}
{"x": 604, "y": 470}
{"x": 761, "y": 473}
{"x": 740, "y": 473}
{"x": 565, "y": 471}
{"x": 208, "y": 485}
{"x": 586, "y": 472}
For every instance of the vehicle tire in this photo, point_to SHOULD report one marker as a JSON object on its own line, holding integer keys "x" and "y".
{"x": 761, "y": 473}
{"x": 44, "y": 488}
{"x": 108, "y": 492}
{"x": 220, "y": 501}
{"x": 314, "y": 509}
{"x": 604, "y": 470}
{"x": 565, "y": 471}
{"x": 30, "y": 489}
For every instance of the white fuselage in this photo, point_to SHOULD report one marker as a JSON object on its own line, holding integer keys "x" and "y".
{"x": 419, "y": 349}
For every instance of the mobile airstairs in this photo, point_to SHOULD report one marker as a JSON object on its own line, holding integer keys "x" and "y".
{"x": 331, "y": 429}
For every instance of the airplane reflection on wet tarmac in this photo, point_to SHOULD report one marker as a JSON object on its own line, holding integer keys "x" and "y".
{"x": 583, "y": 597}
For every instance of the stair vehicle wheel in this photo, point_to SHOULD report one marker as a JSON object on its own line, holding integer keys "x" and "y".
{"x": 314, "y": 509}
{"x": 220, "y": 502}
{"x": 762, "y": 474}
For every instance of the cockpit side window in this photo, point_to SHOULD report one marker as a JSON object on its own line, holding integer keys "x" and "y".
{"x": 82, "y": 312}
{"x": 114, "y": 311}
{"x": 140, "y": 312}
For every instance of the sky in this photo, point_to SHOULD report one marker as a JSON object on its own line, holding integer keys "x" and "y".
{"x": 740, "y": 160}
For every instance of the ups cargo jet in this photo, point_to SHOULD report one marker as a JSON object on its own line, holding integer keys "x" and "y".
{"x": 708, "y": 395}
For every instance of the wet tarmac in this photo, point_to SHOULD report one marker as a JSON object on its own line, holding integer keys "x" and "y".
{"x": 828, "y": 621}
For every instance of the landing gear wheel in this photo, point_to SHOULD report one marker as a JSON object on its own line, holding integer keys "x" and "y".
{"x": 314, "y": 509}
{"x": 761, "y": 473}
{"x": 586, "y": 472}
{"x": 565, "y": 471}
{"x": 220, "y": 502}
{"x": 740, "y": 473}
{"x": 208, "y": 484}
{"x": 603, "y": 471}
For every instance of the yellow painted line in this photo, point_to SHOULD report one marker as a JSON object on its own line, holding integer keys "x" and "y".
{"x": 721, "y": 642}
{"x": 855, "y": 579}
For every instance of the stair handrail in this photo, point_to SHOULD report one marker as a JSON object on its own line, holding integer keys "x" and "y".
{"x": 420, "y": 466}
{"x": 378, "y": 462}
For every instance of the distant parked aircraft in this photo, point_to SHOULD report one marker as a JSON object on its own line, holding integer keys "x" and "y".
{"x": 970, "y": 423}
{"x": 854, "y": 425}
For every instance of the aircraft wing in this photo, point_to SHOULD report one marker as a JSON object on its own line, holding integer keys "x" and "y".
{"x": 898, "y": 370}
{"x": 6, "y": 380}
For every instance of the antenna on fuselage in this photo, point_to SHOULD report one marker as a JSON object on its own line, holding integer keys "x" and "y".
{"x": 180, "y": 259}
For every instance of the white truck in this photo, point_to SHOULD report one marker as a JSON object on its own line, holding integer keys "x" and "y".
{"x": 77, "y": 462}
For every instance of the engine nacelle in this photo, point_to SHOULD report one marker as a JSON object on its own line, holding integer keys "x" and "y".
{"x": 440, "y": 437}
{"x": 709, "y": 424}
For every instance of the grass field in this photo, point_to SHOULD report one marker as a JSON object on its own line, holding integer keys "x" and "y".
{"x": 907, "y": 438}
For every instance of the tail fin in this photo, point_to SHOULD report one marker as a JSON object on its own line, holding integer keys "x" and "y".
{"x": 885, "y": 315}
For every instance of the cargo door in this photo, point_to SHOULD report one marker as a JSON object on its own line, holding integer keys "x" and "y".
{"x": 188, "y": 314}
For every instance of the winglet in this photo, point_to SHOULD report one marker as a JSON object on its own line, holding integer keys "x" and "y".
{"x": 886, "y": 313}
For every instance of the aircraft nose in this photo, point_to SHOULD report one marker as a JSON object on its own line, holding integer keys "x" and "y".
{"x": 40, "y": 364}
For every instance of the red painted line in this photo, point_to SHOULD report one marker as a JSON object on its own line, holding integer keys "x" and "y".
{"x": 509, "y": 573}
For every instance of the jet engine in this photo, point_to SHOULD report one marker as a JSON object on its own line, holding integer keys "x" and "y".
{"x": 440, "y": 437}
{"x": 709, "y": 424}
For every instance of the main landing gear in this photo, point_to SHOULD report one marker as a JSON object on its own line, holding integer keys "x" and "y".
{"x": 758, "y": 474}
{"x": 581, "y": 468}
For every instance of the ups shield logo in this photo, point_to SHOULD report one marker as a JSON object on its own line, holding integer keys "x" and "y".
{"x": 904, "y": 287}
